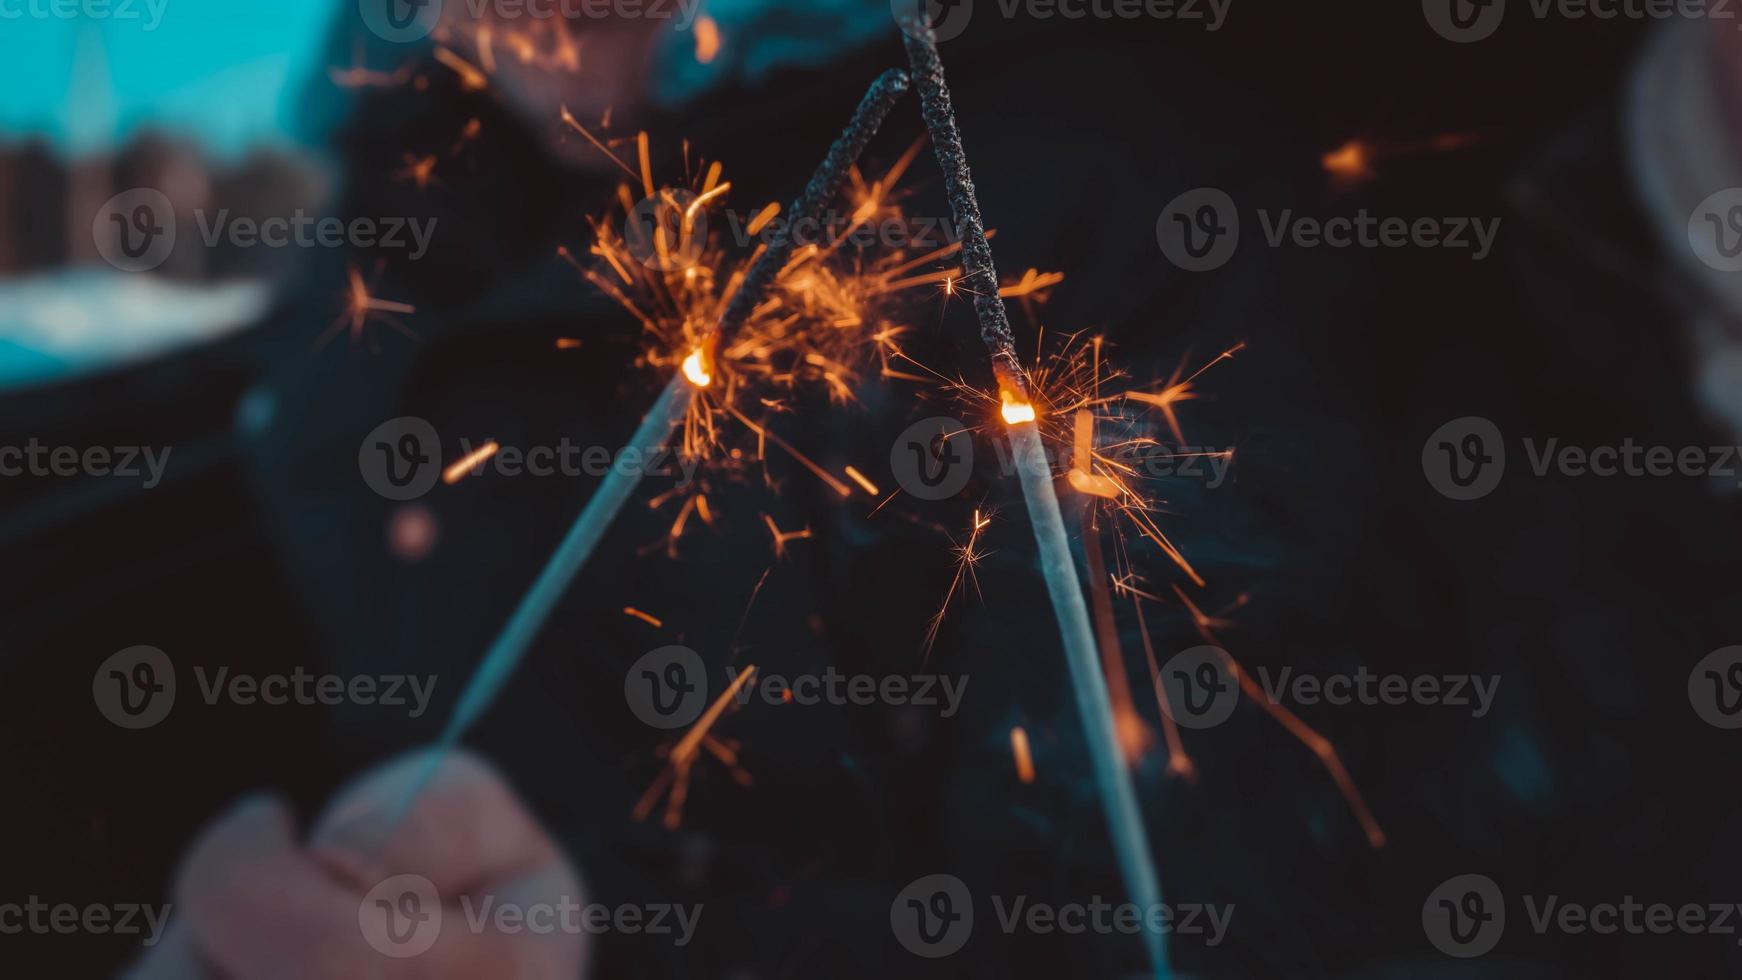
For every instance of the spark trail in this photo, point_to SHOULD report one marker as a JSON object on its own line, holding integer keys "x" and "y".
{"x": 980, "y": 276}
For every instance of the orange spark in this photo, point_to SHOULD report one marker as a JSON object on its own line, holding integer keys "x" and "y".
{"x": 567, "y": 343}
{"x": 1082, "y": 476}
{"x": 419, "y": 171}
{"x": 359, "y": 304}
{"x": 683, "y": 756}
{"x": 707, "y": 39}
{"x": 696, "y": 368}
{"x": 859, "y": 478}
{"x": 470, "y": 461}
{"x": 471, "y": 79}
{"x": 968, "y": 557}
{"x": 649, "y": 619}
{"x": 1019, "y": 750}
{"x": 782, "y": 537}
{"x": 1032, "y": 281}
{"x": 1015, "y": 412}
{"x": 1350, "y": 162}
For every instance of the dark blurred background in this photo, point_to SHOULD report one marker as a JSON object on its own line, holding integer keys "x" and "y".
{"x": 264, "y": 550}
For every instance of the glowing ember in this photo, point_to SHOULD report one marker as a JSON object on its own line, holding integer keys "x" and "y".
{"x": 469, "y": 462}
{"x": 707, "y": 39}
{"x": 1015, "y": 412}
{"x": 647, "y": 618}
{"x": 1019, "y": 750}
{"x": 695, "y": 368}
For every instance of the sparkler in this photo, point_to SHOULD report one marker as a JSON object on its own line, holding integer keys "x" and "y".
{"x": 1063, "y": 585}
{"x": 654, "y": 431}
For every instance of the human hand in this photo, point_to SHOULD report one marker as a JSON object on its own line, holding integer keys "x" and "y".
{"x": 253, "y": 900}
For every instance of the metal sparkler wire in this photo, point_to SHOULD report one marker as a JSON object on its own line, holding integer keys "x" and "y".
{"x": 654, "y": 430}
{"x": 1124, "y": 820}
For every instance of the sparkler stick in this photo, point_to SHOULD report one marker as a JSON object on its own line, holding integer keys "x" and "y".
{"x": 1060, "y": 570}
{"x": 654, "y": 431}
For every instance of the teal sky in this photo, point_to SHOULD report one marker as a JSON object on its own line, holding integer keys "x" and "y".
{"x": 223, "y": 71}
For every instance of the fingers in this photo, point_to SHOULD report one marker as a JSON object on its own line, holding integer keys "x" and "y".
{"x": 466, "y": 827}
{"x": 254, "y": 902}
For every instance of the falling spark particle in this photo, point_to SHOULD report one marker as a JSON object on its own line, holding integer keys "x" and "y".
{"x": 1350, "y": 162}
{"x": 1019, "y": 750}
{"x": 859, "y": 478}
{"x": 1032, "y": 281}
{"x": 782, "y": 537}
{"x": 648, "y": 618}
{"x": 567, "y": 343}
{"x": 418, "y": 170}
{"x": 763, "y": 217}
{"x": 471, "y": 79}
{"x": 683, "y": 756}
{"x": 707, "y": 39}
{"x": 472, "y": 461}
